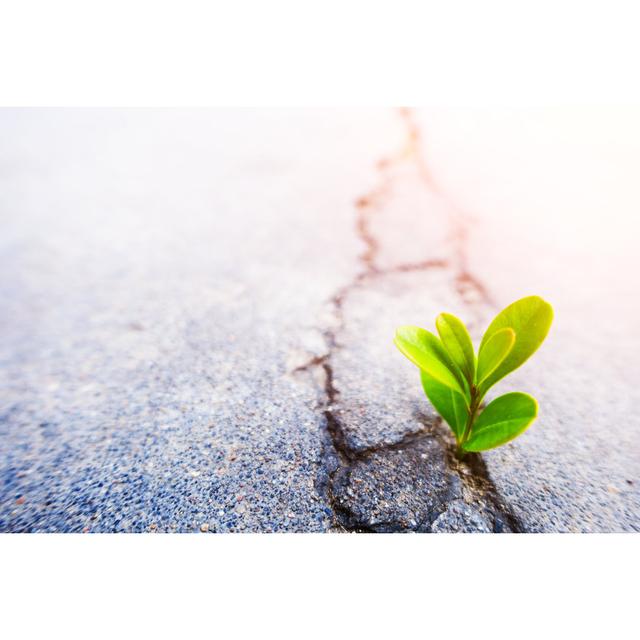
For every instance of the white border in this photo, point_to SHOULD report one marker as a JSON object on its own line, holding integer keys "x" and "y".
{"x": 300, "y": 586}
{"x": 291, "y": 52}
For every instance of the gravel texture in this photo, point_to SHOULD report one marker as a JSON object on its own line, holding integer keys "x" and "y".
{"x": 162, "y": 274}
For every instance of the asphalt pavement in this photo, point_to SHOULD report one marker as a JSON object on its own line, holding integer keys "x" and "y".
{"x": 198, "y": 309}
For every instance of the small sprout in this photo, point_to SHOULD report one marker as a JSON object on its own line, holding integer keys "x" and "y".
{"x": 455, "y": 381}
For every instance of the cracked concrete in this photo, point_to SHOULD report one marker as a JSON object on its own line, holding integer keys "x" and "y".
{"x": 199, "y": 307}
{"x": 394, "y": 469}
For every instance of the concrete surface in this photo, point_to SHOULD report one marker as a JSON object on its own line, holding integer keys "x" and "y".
{"x": 198, "y": 306}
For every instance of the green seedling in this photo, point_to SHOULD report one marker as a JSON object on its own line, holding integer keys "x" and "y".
{"x": 456, "y": 381}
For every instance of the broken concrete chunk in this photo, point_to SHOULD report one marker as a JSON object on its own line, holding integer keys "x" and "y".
{"x": 396, "y": 488}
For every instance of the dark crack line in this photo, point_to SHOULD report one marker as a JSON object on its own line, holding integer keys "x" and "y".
{"x": 316, "y": 361}
{"x": 408, "y": 440}
{"x": 500, "y": 508}
{"x": 467, "y": 286}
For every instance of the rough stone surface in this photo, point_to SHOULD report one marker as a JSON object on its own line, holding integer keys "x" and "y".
{"x": 460, "y": 518}
{"x": 198, "y": 309}
{"x": 396, "y": 489}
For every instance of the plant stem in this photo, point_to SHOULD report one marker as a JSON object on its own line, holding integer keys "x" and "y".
{"x": 473, "y": 409}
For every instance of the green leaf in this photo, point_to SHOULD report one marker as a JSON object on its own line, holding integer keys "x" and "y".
{"x": 456, "y": 339}
{"x": 503, "y": 419}
{"x": 530, "y": 318}
{"x": 450, "y": 404}
{"x": 493, "y": 352}
{"x": 427, "y": 352}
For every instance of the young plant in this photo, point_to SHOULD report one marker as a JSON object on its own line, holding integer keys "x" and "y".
{"x": 456, "y": 381}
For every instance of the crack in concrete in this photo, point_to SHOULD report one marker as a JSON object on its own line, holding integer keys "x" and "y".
{"x": 476, "y": 479}
{"x": 340, "y": 458}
